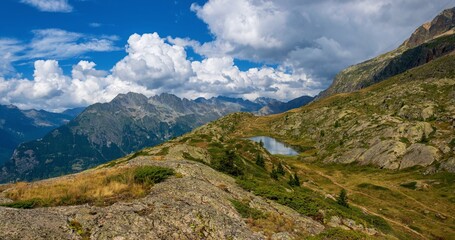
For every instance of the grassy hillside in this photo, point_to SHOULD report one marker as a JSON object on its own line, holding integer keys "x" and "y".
{"x": 345, "y": 141}
{"x": 408, "y": 113}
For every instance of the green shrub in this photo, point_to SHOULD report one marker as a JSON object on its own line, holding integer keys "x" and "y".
{"x": 339, "y": 234}
{"x": 372, "y": 186}
{"x": 452, "y": 143}
{"x": 280, "y": 169}
{"x": 24, "y": 204}
{"x": 405, "y": 140}
{"x": 377, "y": 222}
{"x": 151, "y": 174}
{"x": 260, "y": 160}
{"x": 138, "y": 154}
{"x": 188, "y": 156}
{"x": 342, "y": 198}
{"x": 227, "y": 164}
{"x": 294, "y": 180}
{"x": 246, "y": 211}
{"x": 163, "y": 152}
{"x": 410, "y": 185}
{"x": 274, "y": 173}
{"x": 77, "y": 227}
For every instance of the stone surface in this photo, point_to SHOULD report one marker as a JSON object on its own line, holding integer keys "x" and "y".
{"x": 194, "y": 206}
{"x": 384, "y": 154}
{"x": 448, "y": 166}
{"x": 419, "y": 154}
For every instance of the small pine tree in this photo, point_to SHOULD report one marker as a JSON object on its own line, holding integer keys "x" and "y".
{"x": 337, "y": 124}
{"x": 227, "y": 164}
{"x": 280, "y": 169}
{"x": 424, "y": 138}
{"x": 274, "y": 173}
{"x": 260, "y": 160}
{"x": 261, "y": 143}
{"x": 343, "y": 198}
{"x": 294, "y": 180}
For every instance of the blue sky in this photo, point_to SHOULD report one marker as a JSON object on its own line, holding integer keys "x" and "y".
{"x": 59, "y": 54}
{"x": 103, "y": 17}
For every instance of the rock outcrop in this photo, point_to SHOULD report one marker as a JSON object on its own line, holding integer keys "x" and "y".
{"x": 444, "y": 23}
{"x": 194, "y": 206}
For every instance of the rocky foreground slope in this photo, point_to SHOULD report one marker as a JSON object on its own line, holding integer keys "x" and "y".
{"x": 194, "y": 205}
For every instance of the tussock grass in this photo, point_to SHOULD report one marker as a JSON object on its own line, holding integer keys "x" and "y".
{"x": 340, "y": 234}
{"x": 246, "y": 211}
{"x": 99, "y": 187}
{"x": 3, "y": 187}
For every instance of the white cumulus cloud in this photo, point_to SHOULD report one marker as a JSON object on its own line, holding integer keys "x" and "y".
{"x": 50, "y": 5}
{"x": 153, "y": 62}
{"x": 318, "y": 37}
{"x": 152, "y": 66}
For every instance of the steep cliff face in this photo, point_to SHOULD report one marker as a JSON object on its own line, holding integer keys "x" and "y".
{"x": 442, "y": 24}
{"x": 429, "y": 42}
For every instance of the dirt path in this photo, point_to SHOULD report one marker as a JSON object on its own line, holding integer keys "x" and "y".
{"x": 360, "y": 206}
{"x": 367, "y": 195}
{"x": 421, "y": 204}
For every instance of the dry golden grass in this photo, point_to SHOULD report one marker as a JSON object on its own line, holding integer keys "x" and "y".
{"x": 273, "y": 223}
{"x": 3, "y": 187}
{"x": 101, "y": 187}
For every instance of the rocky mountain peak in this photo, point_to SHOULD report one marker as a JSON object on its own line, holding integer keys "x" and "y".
{"x": 130, "y": 99}
{"x": 167, "y": 97}
{"x": 443, "y": 24}
{"x": 265, "y": 101}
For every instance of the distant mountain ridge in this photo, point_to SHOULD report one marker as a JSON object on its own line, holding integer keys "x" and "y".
{"x": 275, "y": 107}
{"x": 429, "y": 42}
{"x": 105, "y": 131}
{"x": 17, "y": 126}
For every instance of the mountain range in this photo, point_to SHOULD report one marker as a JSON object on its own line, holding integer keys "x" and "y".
{"x": 18, "y": 126}
{"x": 103, "y": 132}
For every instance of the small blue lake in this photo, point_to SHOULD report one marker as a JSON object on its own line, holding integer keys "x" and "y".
{"x": 274, "y": 146}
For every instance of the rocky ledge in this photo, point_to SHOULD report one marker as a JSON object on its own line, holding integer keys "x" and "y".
{"x": 196, "y": 204}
